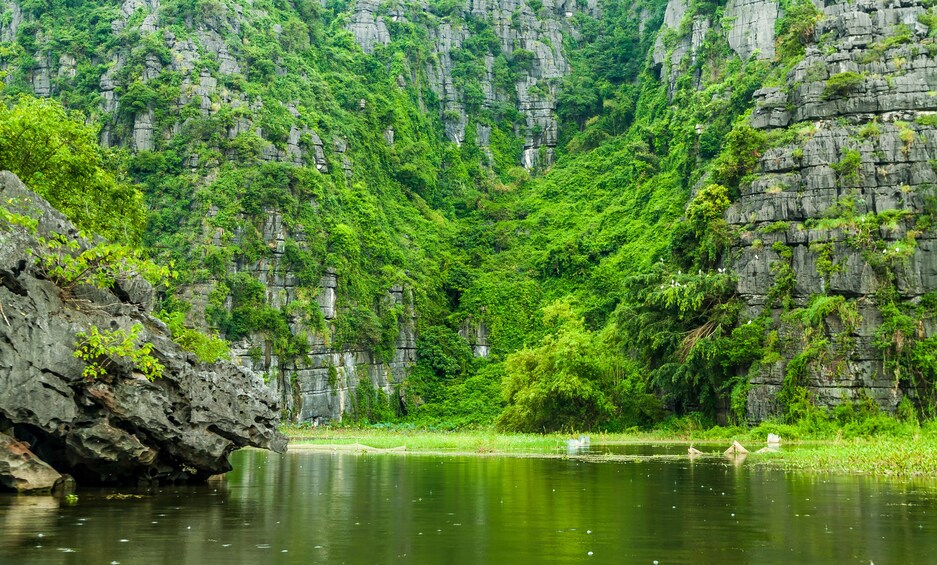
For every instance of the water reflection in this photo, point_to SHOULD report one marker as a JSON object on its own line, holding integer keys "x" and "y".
{"x": 346, "y": 508}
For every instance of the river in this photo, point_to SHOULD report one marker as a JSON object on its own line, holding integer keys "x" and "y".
{"x": 315, "y": 507}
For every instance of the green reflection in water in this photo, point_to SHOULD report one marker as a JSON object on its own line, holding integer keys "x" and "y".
{"x": 346, "y": 508}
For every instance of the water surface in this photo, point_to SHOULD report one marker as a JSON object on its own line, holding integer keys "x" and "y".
{"x": 314, "y": 507}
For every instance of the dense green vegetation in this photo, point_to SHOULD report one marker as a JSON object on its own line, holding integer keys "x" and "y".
{"x": 598, "y": 279}
{"x": 58, "y": 156}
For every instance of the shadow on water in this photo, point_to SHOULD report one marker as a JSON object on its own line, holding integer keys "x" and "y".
{"x": 314, "y": 507}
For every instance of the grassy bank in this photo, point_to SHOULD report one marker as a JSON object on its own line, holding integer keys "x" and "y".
{"x": 895, "y": 450}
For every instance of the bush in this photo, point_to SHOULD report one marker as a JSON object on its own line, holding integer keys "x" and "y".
{"x": 795, "y": 30}
{"x": 842, "y": 84}
{"x": 208, "y": 348}
{"x": 558, "y": 385}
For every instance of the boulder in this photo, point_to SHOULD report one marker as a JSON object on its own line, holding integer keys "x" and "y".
{"x": 22, "y": 471}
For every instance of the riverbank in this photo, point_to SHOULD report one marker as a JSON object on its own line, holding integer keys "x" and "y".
{"x": 910, "y": 454}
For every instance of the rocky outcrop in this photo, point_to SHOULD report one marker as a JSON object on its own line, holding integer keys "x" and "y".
{"x": 367, "y": 26}
{"x": 22, "y": 471}
{"x": 119, "y": 427}
{"x": 11, "y": 20}
{"x": 476, "y": 334}
{"x": 837, "y": 203}
{"x": 324, "y": 384}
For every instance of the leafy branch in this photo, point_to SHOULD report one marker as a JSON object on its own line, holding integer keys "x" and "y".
{"x": 64, "y": 262}
{"x": 99, "y": 349}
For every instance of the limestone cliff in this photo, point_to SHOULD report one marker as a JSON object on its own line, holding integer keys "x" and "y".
{"x": 839, "y": 207}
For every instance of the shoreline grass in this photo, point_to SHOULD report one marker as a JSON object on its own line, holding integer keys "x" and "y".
{"x": 905, "y": 456}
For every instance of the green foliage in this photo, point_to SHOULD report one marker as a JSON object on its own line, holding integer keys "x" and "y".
{"x": 909, "y": 354}
{"x": 370, "y": 404}
{"x": 10, "y": 217}
{"x": 443, "y": 352}
{"x": 468, "y": 233}
{"x": 73, "y": 262}
{"x": 842, "y": 84}
{"x": 559, "y": 384}
{"x": 848, "y": 167}
{"x": 709, "y": 204}
{"x": 682, "y": 329}
{"x": 103, "y": 350}
{"x": 56, "y": 154}
{"x": 744, "y": 146}
{"x": 796, "y": 29}
{"x": 207, "y": 348}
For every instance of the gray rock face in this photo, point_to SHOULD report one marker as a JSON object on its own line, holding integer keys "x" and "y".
{"x": 42, "y": 75}
{"x": 516, "y": 27}
{"x": 752, "y": 27}
{"x": 368, "y": 27}
{"x": 750, "y": 31}
{"x": 119, "y": 428}
{"x": 143, "y": 131}
{"x": 806, "y": 209}
{"x": 676, "y": 59}
{"x": 8, "y": 29}
{"x": 476, "y": 334}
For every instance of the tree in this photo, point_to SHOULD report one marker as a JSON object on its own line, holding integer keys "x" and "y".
{"x": 558, "y": 385}
{"x": 56, "y": 154}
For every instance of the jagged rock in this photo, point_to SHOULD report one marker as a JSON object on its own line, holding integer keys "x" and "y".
{"x": 42, "y": 75}
{"x": 476, "y": 334}
{"x": 880, "y": 121}
{"x": 9, "y": 29}
{"x": 770, "y": 108}
{"x": 67, "y": 67}
{"x": 22, "y": 471}
{"x": 129, "y": 8}
{"x": 687, "y": 45}
{"x": 212, "y": 42}
{"x": 121, "y": 428}
{"x": 143, "y": 131}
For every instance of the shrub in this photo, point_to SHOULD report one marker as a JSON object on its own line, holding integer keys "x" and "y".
{"x": 208, "y": 348}
{"x": 848, "y": 167}
{"x": 842, "y": 84}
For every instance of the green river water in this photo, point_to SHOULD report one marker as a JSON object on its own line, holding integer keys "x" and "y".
{"x": 320, "y": 507}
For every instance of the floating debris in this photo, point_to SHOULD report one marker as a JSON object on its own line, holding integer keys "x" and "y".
{"x": 736, "y": 449}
